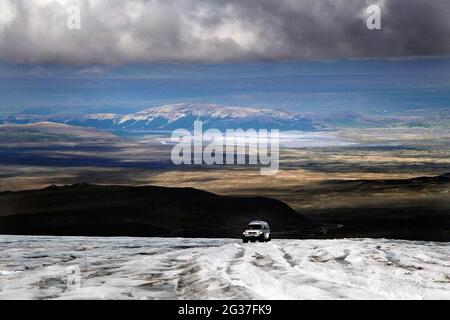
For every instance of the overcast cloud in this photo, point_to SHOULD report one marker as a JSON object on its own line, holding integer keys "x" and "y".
{"x": 118, "y": 31}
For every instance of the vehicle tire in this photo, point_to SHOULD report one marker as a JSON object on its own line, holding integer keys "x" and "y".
{"x": 269, "y": 238}
{"x": 261, "y": 238}
{"x": 244, "y": 240}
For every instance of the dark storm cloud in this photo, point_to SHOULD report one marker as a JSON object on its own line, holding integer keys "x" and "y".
{"x": 117, "y": 31}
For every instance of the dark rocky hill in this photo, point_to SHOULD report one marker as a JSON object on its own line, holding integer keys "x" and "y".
{"x": 94, "y": 210}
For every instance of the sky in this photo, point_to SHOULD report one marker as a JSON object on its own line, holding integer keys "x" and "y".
{"x": 144, "y": 31}
{"x": 304, "y": 55}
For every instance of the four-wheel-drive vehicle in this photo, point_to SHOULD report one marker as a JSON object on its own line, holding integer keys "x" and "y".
{"x": 257, "y": 231}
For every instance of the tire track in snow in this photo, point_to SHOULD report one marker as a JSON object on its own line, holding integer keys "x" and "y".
{"x": 271, "y": 272}
{"x": 264, "y": 270}
{"x": 332, "y": 286}
{"x": 209, "y": 276}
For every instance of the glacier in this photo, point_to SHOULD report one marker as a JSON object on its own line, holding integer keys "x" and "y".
{"x": 175, "y": 268}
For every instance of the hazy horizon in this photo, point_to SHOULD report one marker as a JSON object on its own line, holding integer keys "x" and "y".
{"x": 378, "y": 86}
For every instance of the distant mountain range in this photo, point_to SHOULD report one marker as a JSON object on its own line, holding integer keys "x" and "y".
{"x": 183, "y": 115}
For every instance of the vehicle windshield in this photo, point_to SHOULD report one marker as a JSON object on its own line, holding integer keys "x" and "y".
{"x": 254, "y": 227}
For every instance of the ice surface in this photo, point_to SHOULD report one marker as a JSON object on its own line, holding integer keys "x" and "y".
{"x": 156, "y": 268}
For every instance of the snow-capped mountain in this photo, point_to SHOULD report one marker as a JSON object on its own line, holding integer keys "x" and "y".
{"x": 183, "y": 115}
